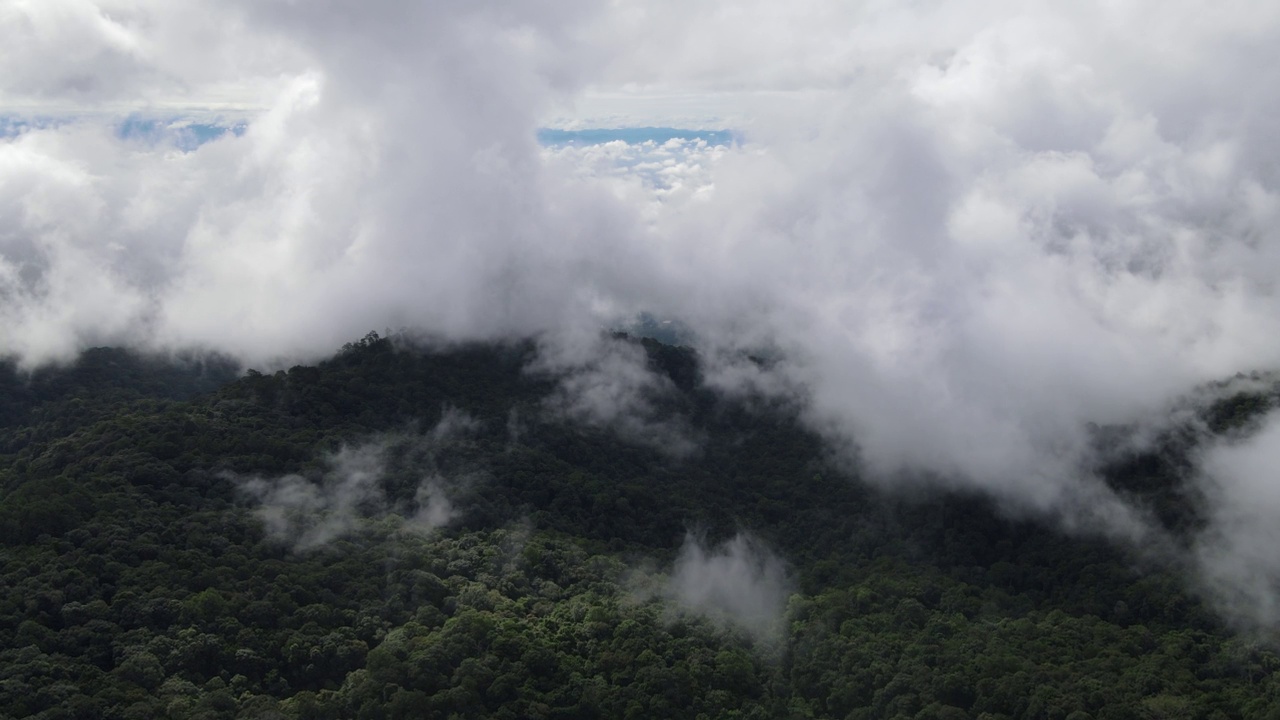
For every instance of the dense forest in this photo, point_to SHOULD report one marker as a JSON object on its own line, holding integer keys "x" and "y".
{"x": 402, "y": 532}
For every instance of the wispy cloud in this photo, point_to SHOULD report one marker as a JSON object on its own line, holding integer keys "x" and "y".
{"x": 355, "y": 486}
{"x": 607, "y": 383}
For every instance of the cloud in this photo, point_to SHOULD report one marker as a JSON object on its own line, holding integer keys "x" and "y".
{"x": 675, "y": 171}
{"x": 394, "y": 179}
{"x": 740, "y": 582}
{"x": 1237, "y": 551}
{"x": 88, "y": 57}
{"x": 961, "y": 231}
{"x": 607, "y": 383}
{"x": 359, "y": 482}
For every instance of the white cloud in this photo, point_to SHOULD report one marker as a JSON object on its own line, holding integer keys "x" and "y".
{"x": 608, "y": 384}
{"x": 741, "y": 582}
{"x": 968, "y": 227}
{"x": 308, "y": 512}
{"x": 1237, "y": 552}
{"x": 654, "y": 178}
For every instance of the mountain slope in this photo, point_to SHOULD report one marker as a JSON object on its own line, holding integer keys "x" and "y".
{"x": 400, "y": 532}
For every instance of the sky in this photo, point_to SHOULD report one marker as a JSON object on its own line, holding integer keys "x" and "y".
{"x": 967, "y": 229}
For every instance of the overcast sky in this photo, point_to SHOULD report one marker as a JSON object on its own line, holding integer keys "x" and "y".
{"x": 968, "y": 227}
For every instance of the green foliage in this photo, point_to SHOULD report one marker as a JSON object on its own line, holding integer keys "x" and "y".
{"x": 136, "y": 580}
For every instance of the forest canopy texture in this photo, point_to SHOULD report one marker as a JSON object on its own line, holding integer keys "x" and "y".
{"x": 410, "y": 532}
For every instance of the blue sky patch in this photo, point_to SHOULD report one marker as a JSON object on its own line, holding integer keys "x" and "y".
{"x": 184, "y": 135}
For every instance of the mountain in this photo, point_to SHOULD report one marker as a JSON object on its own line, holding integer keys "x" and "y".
{"x": 403, "y": 531}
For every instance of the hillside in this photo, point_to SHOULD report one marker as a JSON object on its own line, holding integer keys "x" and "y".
{"x": 401, "y": 532}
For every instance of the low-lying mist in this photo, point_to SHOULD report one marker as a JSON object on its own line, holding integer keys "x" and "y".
{"x": 388, "y": 475}
{"x": 740, "y": 582}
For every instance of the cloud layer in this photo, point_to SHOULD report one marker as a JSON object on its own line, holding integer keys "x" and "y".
{"x": 967, "y": 229}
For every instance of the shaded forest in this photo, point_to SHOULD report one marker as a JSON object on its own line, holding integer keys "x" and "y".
{"x": 140, "y": 577}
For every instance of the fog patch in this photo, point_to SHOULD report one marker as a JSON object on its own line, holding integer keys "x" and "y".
{"x": 364, "y": 482}
{"x": 1239, "y": 553}
{"x": 610, "y": 385}
{"x": 740, "y": 582}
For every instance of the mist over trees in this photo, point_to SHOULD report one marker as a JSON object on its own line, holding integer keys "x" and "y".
{"x": 143, "y": 575}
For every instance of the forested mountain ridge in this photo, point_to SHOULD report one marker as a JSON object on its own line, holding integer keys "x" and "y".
{"x": 142, "y": 577}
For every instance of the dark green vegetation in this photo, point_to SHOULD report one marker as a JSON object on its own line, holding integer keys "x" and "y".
{"x": 137, "y": 582}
